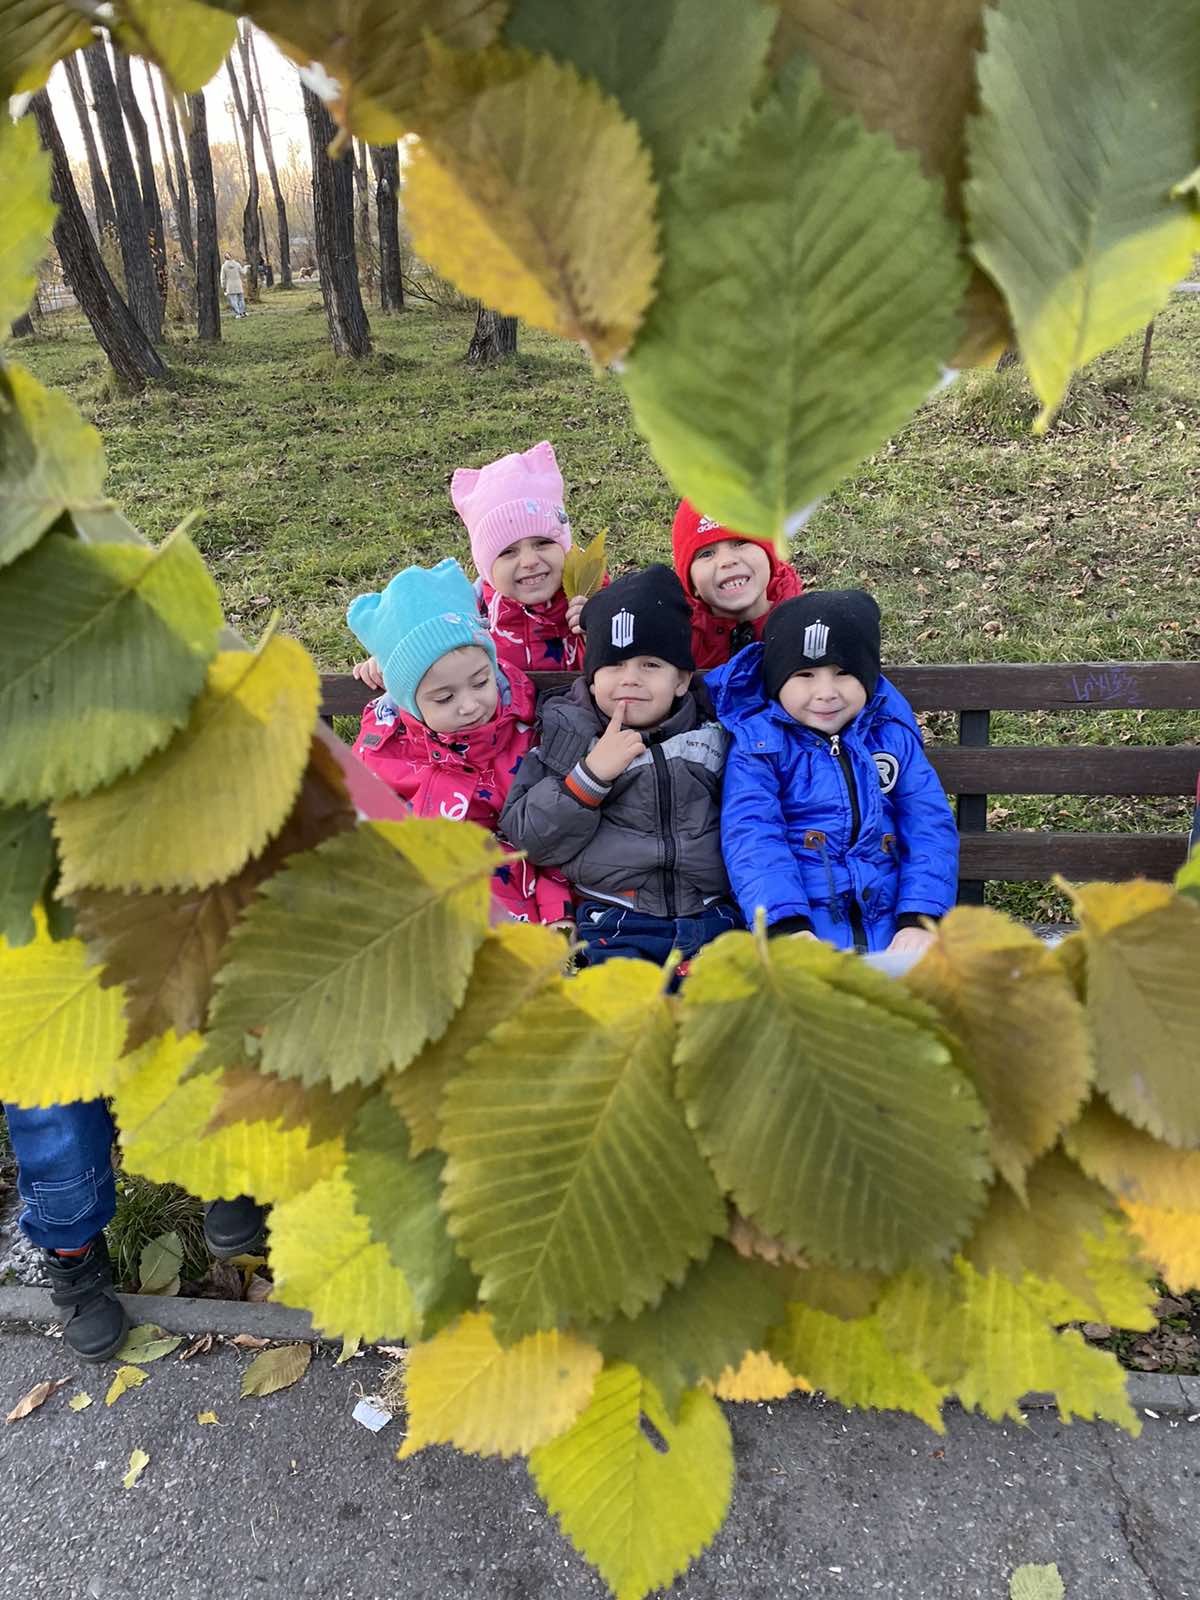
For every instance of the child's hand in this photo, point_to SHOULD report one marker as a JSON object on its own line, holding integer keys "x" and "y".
{"x": 614, "y": 749}
{"x": 575, "y": 607}
{"x": 916, "y": 940}
{"x": 368, "y": 672}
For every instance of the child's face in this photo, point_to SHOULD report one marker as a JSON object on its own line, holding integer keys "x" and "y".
{"x": 824, "y": 698}
{"x": 646, "y": 686}
{"x": 529, "y": 571}
{"x": 459, "y": 691}
{"x": 731, "y": 577}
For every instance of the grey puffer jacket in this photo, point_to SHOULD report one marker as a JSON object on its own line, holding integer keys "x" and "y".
{"x": 652, "y": 838}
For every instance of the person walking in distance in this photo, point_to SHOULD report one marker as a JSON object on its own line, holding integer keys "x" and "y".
{"x": 233, "y": 278}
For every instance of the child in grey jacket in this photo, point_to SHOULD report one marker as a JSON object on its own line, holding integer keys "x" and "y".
{"x": 622, "y": 793}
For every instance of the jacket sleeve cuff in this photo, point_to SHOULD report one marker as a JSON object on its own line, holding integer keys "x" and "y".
{"x": 915, "y": 919}
{"x": 583, "y": 785}
{"x": 787, "y": 925}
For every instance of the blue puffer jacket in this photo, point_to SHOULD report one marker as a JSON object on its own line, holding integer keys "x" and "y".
{"x": 799, "y": 844}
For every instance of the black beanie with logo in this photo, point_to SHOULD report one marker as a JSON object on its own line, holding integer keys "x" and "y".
{"x": 642, "y": 614}
{"x": 829, "y": 628}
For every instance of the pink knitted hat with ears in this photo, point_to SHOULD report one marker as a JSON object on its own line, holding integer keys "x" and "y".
{"x": 518, "y": 497}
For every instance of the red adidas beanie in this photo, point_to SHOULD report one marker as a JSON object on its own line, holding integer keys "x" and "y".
{"x": 690, "y": 532}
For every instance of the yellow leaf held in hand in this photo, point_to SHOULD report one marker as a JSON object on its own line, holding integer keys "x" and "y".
{"x": 204, "y": 1417}
{"x": 466, "y": 1389}
{"x": 126, "y": 1378}
{"x": 197, "y": 810}
{"x": 276, "y": 1369}
{"x": 138, "y": 1462}
{"x": 584, "y": 569}
{"x": 36, "y": 1397}
{"x": 80, "y": 1401}
{"x": 531, "y": 190}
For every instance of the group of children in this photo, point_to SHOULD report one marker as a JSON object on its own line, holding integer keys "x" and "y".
{"x": 729, "y": 748}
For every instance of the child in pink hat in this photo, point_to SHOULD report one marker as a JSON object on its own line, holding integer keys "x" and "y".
{"x": 515, "y": 518}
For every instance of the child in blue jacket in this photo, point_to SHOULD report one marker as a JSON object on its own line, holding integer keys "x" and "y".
{"x": 832, "y": 819}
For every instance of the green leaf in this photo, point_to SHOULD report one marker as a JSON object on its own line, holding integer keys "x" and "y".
{"x": 189, "y": 41}
{"x": 159, "y": 1264}
{"x": 852, "y": 1363}
{"x": 1070, "y": 192}
{"x": 516, "y": 961}
{"x": 846, "y": 1130}
{"x": 51, "y": 461}
{"x": 147, "y": 1341}
{"x": 1036, "y": 1583}
{"x": 638, "y": 1514}
{"x": 276, "y": 1369}
{"x": 356, "y": 953}
{"x": 26, "y": 857}
{"x": 1143, "y": 1003}
{"x": 400, "y": 1198}
{"x": 659, "y": 62}
{"x": 574, "y": 1187}
{"x": 61, "y": 1034}
{"x": 26, "y": 216}
{"x": 103, "y": 648}
{"x": 34, "y": 34}
{"x": 1187, "y": 879}
{"x": 822, "y": 293}
{"x": 196, "y": 811}
{"x": 1004, "y": 995}
{"x": 165, "y": 948}
{"x": 722, "y": 1309}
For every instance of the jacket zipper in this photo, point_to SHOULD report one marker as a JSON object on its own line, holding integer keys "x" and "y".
{"x": 662, "y": 783}
{"x": 842, "y": 757}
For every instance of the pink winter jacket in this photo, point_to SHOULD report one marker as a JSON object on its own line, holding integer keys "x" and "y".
{"x": 466, "y": 780}
{"x": 532, "y": 638}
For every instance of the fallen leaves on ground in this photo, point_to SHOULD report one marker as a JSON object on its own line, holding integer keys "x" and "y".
{"x": 158, "y": 1269}
{"x": 138, "y": 1462}
{"x": 147, "y": 1342}
{"x": 36, "y": 1397}
{"x": 80, "y": 1401}
{"x": 276, "y": 1369}
{"x": 249, "y": 1341}
{"x": 126, "y": 1378}
{"x": 349, "y": 1348}
{"x": 200, "y": 1346}
{"x": 207, "y": 1416}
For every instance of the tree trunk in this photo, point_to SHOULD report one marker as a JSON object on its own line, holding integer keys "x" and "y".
{"x": 140, "y": 284}
{"x": 333, "y": 207}
{"x": 1008, "y": 357}
{"x": 365, "y": 252}
{"x": 106, "y": 215}
{"x": 23, "y": 328}
{"x": 208, "y": 266}
{"x": 494, "y": 338}
{"x": 268, "y": 275}
{"x": 181, "y": 179}
{"x": 151, "y": 209}
{"x": 181, "y": 202}
{"x": 250, "y": 241}
{"x": 385, "y": 158}
{"x": 117, "y": 330}
{"x": 264, "y": 127}
{"x": 1144, "y": 377}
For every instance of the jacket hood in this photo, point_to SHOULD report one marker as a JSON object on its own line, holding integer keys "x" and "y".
{"x": 741, "y": 702}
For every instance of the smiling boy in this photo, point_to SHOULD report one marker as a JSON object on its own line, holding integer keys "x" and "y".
{"x": 732, "y": 582}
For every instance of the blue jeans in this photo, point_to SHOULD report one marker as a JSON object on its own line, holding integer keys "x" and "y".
{"x": 237, "y": 304}
{"x": 608, "y": 931}
{"x": 64, "y": 1171}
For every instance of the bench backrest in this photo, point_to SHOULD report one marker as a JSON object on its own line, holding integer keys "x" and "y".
{"x": 974, "y": 768}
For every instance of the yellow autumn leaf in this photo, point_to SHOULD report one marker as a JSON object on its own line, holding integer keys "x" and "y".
{"x": 1170, "y": 1238}
{"x": 196, "y": 811}
{"x": 465, "y": 1388}
{"x": 531, "y": 190}
{"x": 138, "y": 1462}
{"x": 852, "y": 1362}
{"x": 126, "y": 1378}
{"x": 80, "y": 1401}
{"x": 161, "y": 1113}
{"x": 1131, "y": 1164}
{"x": 61, "y": 1034}
{"x": 585, "y": 567}
{"x": 204, "y": 1417}
{"x": 758, "y": 1376}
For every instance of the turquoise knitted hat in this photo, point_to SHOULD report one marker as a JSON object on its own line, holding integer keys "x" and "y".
{"x": 424, "y": 613}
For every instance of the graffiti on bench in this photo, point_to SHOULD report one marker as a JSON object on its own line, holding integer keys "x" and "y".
{"x": 1112, "y": 686}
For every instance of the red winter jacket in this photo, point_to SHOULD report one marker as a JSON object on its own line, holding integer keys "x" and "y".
{"x": 712, "y": 637}
{"x": 532, "y": 638}
{"x": 466, "y": 780}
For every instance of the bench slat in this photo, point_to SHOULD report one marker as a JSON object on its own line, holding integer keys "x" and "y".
{"x": 1027, "y": 857}
{"x": 1068, "y": 769}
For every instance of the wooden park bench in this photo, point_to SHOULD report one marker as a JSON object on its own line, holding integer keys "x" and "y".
{"x": 974, "y": 767}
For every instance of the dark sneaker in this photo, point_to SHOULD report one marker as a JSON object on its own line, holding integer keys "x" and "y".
{"x": 95, "y": 1323}
{"x": 233, "y": 1227}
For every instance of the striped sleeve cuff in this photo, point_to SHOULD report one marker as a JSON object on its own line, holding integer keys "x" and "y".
{"x": 581, "y": 785}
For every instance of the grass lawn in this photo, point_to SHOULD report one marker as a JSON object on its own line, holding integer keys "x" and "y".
{"x": 318, "y": 479}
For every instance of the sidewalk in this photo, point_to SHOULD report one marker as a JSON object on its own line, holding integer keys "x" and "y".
{"x": 288, "y": 1498}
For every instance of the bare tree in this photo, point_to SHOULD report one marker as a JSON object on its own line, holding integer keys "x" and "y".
{"x": 366, "y": 250}
{"x": 333, "y": 207}
{"x": 177, "y": 187}
{"x": 250, "y": 238}
{"x": 140, "y": 283}
{"x": 181, "y": 177}
{"x": 250, "y": 59}
{"x": 117, "y": 330}
{"x": 385, "y": 158}
{"x": 151, "y": 209}
{"x": 494, "y": 338}
{"x": 106, "y": 215}
{"x": 208, "y": 295}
